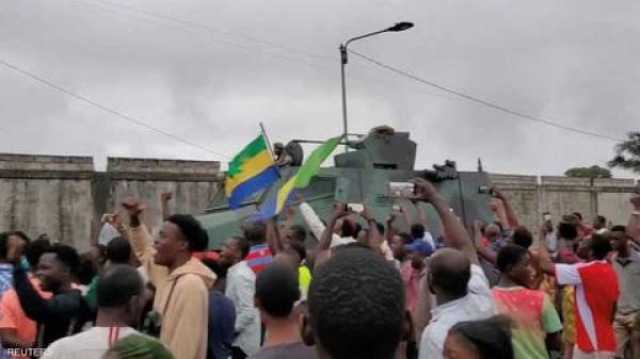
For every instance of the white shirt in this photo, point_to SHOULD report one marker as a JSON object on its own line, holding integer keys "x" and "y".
{"x": 476, "y": 305}
{"x": 241, "y": 289}
{"x": 90, "y": 344}
{"x": 317, "y": 227}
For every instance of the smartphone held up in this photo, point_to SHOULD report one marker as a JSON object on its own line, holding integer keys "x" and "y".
{"x": 402, "y": 189}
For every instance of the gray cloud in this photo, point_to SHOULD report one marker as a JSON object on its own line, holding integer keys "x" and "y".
{"x": 573, "y": 62}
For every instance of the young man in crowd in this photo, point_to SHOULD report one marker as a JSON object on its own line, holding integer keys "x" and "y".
{"x": 121, "y": 296}
{"x": 356, "y": 307}
{"x": 537, "y": 327}
{"x": 17, "y": 330}
{"x": 118, "y": 251}
{"x": 182, "y": 282}
{"x": 63, "y": 313}
{"x": 480, "y": 339}
{"x": 276, "y": 294}
{"x": 413, "y": 270}
{"x": 419, "y": 233}
{"x": 293, "y": 256}
{"x": 418, "y": 226}
{"x": 260, "y": 253}
{"x": 567, "y": 237}
{"x": 454, "y": 277}
{"x": 6, "y": 267}
{"x": 241, "y": 281}
{"x": 222, "y": 315}
{"x": 596, "y": 293}
{"x": 488, "y": 242}
{"x": 626, "y": 263}
{"x": 600, "y": 224}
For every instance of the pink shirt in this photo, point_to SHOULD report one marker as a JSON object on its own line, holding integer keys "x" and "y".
{"x": 13, "y": 317}
{"x": 411, "y": 278}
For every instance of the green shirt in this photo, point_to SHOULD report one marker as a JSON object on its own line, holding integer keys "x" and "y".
{"x": 534, "y": 317}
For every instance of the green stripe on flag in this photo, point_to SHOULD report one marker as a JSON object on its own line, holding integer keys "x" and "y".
{"x": 312, "y": 164}
{"x": 251, "y": 150}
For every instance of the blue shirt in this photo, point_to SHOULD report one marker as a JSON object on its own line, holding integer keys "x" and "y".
{"x": 222, "y": 319}
{"x": 6, "y": 283}
{"x": 6, "y": 277}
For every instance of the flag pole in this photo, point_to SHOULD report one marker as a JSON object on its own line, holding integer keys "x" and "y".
{"x": 266, "y": 138}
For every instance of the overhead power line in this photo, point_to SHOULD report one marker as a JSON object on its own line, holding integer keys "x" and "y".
{"x": 106, "y": 109}
{"x": 323, "y": 62}
{"x": 480, "y": 101}
{"x": 209, "y": 28}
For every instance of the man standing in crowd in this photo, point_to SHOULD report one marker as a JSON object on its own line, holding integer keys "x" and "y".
{"x": 626, "y": 263}
{"x": 481, "y": 339}
{"x": 413, "y": 270}
{"x": 419, "y": 233}
{"x": 293, "y": 256}
{"x": 66, "y": 311}
{"x": 536, "y": 319}
{"x": 120, "y": 294}
{"x": 600, "y": 224}
{"x": 596, "y": 295}
{"x": 241, "y": 282}
{"x": 222, "y": 315}
{"x": 459, "y": 284}
{"x": 17, "y": 330}
{"x": 182, "y": 282}
{"x": 356, "y": 307}
{"x": 260, "y": 254}
{"x": 118, "y": 251}
{"x": 6, "y": 267}
{"x": 277, "y": 292}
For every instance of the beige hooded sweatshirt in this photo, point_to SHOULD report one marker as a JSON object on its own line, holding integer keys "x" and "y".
{"x": 185, "y": 319}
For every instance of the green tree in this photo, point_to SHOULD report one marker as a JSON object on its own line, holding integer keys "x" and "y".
{"x": 588, "y": 172}
{"x": 628, "y": 153}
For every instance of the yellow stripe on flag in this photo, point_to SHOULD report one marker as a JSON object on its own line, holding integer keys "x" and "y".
{"x": 250, "y": 169}
{"x": 283, "y": 193}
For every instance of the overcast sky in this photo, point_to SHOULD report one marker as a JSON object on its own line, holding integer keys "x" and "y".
{"x": 573, "y": 62}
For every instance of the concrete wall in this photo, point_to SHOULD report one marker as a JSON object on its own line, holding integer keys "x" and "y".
{"x": 64, "y": 197}
{"x": 193, "y": 184}
{"x": 531, "y": 196}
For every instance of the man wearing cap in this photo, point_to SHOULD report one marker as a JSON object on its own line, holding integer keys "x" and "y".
{"x": 413, "y": 270}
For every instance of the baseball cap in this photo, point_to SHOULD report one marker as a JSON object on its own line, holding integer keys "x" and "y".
{"x": 420, "y": 247}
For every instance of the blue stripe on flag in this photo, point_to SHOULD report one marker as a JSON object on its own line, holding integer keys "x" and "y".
{"x": 246, "y": 189}
{"x": 268, "y": 208}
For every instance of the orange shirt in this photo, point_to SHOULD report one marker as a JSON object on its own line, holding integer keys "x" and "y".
{"x": 13, "y": 317}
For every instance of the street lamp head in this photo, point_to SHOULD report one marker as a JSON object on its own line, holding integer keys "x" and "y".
{"x": 401, "y": 26}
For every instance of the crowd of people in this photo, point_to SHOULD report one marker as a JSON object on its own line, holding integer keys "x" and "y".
{"x": 343, "y": 287}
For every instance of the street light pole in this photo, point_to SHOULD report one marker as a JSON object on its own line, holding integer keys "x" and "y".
{"x": 344, "y": 60}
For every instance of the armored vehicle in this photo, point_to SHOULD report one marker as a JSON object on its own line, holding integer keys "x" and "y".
{"x": 361, "y": 174}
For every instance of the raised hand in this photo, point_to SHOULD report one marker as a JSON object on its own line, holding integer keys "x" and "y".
{"x": 133, "y": 207}
{"x": 498, "y": 194}
{"x": 340, "y": 210}
{"x": 15, "y": 248}
{"x": 425, "y": 191}
{"x": 365, "y": 213}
